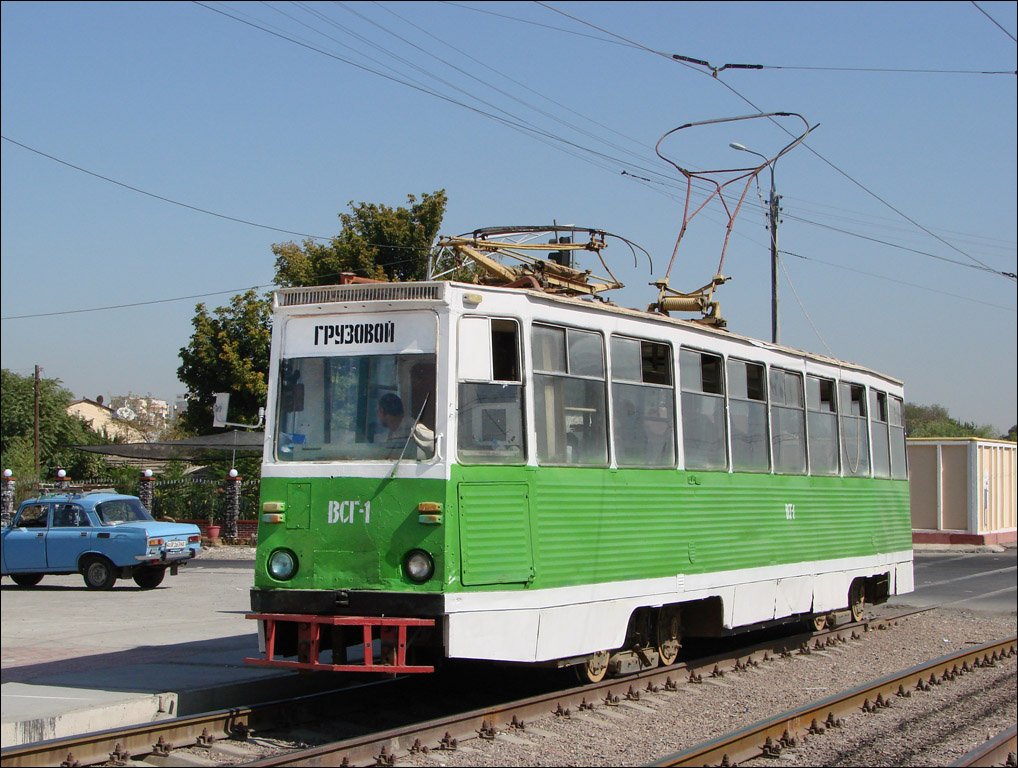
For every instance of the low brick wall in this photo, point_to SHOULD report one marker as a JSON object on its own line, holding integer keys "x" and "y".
{"x": 246, "y": 529}
{"x": 961, "y": 537}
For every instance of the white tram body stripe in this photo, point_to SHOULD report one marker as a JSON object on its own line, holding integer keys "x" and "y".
{"x": 542, "y": 625}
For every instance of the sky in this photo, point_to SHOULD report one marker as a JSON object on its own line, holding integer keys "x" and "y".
{"x": 153, "y": 152}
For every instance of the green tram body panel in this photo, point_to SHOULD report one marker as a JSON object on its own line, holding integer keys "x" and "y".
{"x": 526, "y": 528}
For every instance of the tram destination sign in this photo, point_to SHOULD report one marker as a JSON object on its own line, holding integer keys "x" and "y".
{"x": 360, "y": 334}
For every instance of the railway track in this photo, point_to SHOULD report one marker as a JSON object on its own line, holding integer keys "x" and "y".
{"x": 1000, "y": 750}
{"x": 768, "y": 738}
{"x": 239, "y": 723}
{"x": 373, "y": 747}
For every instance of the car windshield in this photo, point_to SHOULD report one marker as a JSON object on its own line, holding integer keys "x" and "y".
{"x": 116, "y": 511}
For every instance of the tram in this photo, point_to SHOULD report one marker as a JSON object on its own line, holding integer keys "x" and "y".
{"x": 523, "y": 472}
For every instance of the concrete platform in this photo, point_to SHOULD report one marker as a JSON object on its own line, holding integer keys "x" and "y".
{"x": 75, "y": 661}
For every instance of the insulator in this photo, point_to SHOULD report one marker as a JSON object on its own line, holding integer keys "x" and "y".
{"x": 682, "y": 304}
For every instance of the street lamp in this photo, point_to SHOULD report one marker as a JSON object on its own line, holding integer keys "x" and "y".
{"x": 772, "y": 216}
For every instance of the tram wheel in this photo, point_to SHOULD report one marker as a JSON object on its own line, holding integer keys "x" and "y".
{"x": 819, "y": 621}
{"x": 594, "y": 668}
{"x": 857, "y": 601}
{"x": 669, "y": 639}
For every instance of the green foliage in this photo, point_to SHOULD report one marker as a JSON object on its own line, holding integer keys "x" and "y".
{"x": 228, "y": 352}
{"x": 57, "y": 430}
{"x": 935, "y": 421}
{"x": 376, "y": 242}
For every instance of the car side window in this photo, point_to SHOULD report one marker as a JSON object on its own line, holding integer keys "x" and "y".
{"x": 33, "y": 516}
{"x": 69, "y": 516}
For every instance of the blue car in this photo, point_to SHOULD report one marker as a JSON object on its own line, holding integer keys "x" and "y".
{"x": 102, "y": 536}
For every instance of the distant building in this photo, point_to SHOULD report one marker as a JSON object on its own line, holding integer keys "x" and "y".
{"x": 963, "y": 490}
{"x": 149, "y": 411}
{"x": 104, "y": 420}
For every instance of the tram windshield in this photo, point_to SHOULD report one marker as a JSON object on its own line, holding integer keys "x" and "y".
{"x": 356, "y": 408}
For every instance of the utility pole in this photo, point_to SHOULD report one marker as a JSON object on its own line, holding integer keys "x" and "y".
{"x": 773, "y": 211}
{"x": 37, "y": 421}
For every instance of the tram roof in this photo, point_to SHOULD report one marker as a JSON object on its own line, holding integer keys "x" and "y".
{"x": 288, "y": 298}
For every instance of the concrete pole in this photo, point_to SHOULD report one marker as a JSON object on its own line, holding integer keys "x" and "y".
{"x": 146, "y": 490}
{"x": 233, "y": 489}
{"x": 7, "y": 498}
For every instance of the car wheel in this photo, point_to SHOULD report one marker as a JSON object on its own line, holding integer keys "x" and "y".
{"x": 26, "y": 579}
{"x": 98, "y": 573}
{"x": 149, "y": 578}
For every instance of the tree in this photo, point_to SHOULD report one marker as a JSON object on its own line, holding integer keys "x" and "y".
{"x": 935, "y": 421}
{"x": 228, "y": 352}
{"x": 376, "y": 242}
{"x": 58, "y": 430}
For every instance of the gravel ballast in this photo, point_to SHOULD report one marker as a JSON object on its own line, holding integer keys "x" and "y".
{"x": 933, "y": 728}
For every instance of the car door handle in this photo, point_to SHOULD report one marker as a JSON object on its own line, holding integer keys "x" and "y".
{"x": 39, "y": 535}
{"x": 83, "y": 534}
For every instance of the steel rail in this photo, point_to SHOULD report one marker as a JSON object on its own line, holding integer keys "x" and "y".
{"x": 768, "y": 737}
{"x": 237, "y": 722}
{"x": 161, "y": 736}
{"x": 443, "y": 734}
{"x": 997, "y": 751}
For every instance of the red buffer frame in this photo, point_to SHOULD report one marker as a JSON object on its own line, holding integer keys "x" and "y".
{"x": 392, "y": 637}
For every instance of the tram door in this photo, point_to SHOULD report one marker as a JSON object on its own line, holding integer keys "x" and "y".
{"x": 495, "y": 543}
{"x": 494, "y": 513}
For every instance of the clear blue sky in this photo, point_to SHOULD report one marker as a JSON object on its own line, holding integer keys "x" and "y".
{"x": 901, "y": 214}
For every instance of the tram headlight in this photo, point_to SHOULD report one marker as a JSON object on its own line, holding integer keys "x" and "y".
{"x": 282, "y": 565}
{"x": 418, "y": 566}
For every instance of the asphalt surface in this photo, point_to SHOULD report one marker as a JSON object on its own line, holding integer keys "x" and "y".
{"x": 978, "y": 581}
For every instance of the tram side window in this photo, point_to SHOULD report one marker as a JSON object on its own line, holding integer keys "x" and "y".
{"x": 879, "y": 435}
{"x": 788, "y": 423}
{"x": 747, "y": 404}
{"x": 643, "y": 403}
{"x": 855, "y": 452}
{"x": 569, "y": 397}
{"x": 822, "y": 421}
{"x": 490, "y": 410}
{"x": 701, "y": 377}
{"x": 896, "y": 423}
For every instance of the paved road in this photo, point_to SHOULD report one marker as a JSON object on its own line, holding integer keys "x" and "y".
{"x": 61, "y": 625}
{"x": 979, "y": 581}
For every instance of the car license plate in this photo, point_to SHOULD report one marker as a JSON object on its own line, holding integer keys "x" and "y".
{"x": 176, "y": 544}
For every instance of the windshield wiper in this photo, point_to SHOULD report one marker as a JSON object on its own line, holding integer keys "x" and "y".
{"x": 410, "y": 436}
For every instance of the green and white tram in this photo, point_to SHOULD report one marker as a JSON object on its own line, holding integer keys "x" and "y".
{"x": 501, "y": 473}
